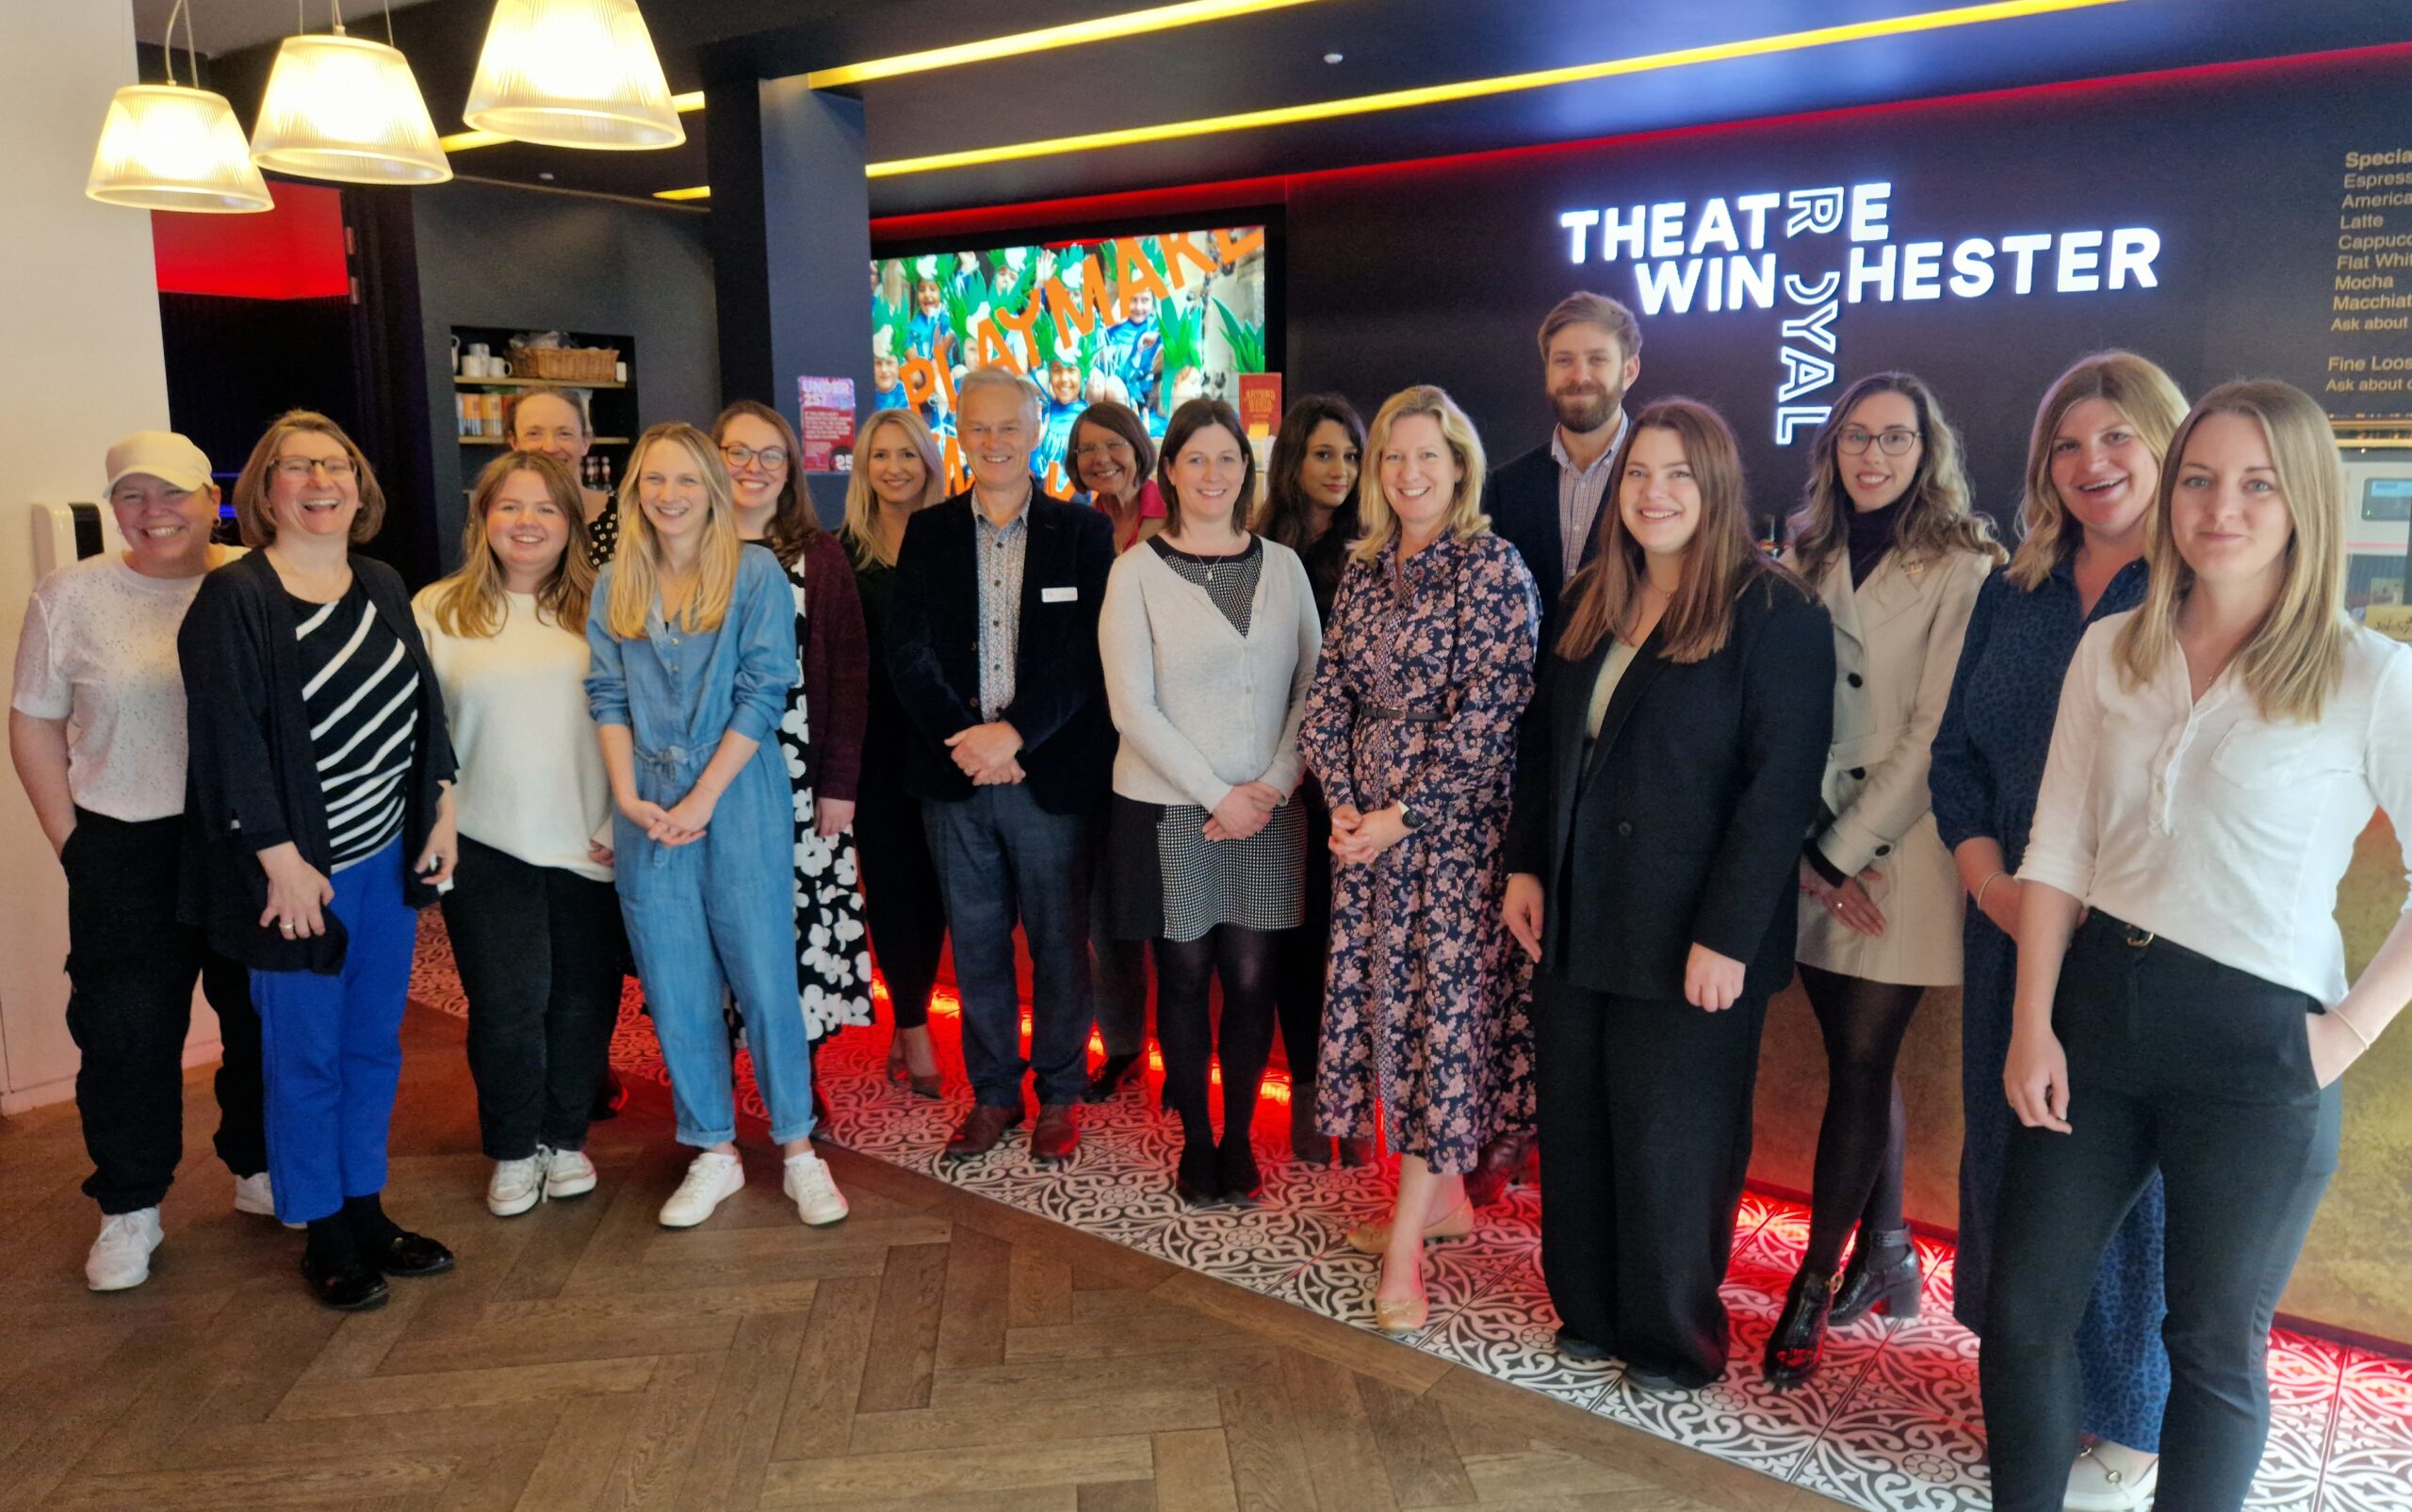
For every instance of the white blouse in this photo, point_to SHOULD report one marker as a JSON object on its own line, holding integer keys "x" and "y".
{"x": 2211, "y": 826}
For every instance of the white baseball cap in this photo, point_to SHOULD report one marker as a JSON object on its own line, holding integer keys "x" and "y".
{"x": 162, "y": 454}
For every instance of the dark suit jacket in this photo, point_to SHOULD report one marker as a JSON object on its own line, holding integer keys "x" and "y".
{"x": 1059, "y": 687}
{"x": 1685, "y": 824}
{"x": 1522, "y": 504}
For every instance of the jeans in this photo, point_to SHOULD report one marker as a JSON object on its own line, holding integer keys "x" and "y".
{"x": 333, "y": 1048}
{"x": 1005, "y": 860}
{"x": 539, "y": 949}
{"x": 717, "y": 916}
{"x": 2201, "y": 1069}
{"x": 903, "y": 906}
{"x": 130, "y": 969}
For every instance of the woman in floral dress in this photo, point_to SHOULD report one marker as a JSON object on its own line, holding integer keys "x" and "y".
{"x": 1412, "y": 728}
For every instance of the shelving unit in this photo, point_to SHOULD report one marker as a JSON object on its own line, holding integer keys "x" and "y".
{"x": 612, "y": 407}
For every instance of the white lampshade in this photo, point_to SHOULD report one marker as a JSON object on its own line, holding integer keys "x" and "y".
{"x": 346, "y": 108}
{"x": 573, "y": 74}
{"x": 165, "y": 146}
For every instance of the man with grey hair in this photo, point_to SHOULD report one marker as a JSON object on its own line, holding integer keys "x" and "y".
{"x": 992, "y": 644}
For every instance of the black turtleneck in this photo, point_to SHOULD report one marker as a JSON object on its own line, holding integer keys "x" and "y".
{"x": 1871, "y": 536}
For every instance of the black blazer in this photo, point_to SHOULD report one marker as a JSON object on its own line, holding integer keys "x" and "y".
{"x": 251, "y": 779}
{"x": 1059, "y": 684}
{"x": 1685, "y": 825}
{"x": 1523, "y": 508}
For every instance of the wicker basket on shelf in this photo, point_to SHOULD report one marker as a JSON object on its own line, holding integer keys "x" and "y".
{"x": 567, "y": 364}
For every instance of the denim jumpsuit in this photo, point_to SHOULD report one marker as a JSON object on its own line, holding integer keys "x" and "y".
{"x": 719, "y": 912}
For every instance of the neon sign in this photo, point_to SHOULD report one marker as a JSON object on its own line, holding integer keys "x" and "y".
{"x": 1732, "y": 254}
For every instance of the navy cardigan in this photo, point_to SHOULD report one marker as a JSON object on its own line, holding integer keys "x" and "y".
{"x": 251, "y": 779}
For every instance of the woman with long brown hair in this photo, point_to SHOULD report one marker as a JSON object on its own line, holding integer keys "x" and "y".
{"x": 1670, "y": 768}
{"x": 1885, "y": 534}
{"x": 534, "y": 922}
{"x": 821, "y": 733}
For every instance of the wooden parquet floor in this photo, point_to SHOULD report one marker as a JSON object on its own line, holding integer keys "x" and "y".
{"x": 936, "y": 1351}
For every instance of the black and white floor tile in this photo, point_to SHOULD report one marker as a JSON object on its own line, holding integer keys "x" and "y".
{"x": 1891, "y": 1424}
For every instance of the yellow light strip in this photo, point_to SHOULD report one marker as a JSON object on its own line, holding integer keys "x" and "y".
{"x": 701, "y": 192}
{"x": 461, "y": 141}
{"x": 1475, "y": 89}
{"x": 1103, "y": 29}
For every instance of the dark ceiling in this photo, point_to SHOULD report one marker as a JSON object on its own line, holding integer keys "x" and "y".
{"x": 1277, "y": 58}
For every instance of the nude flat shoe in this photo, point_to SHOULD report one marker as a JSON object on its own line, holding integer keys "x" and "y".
{"x": 1374, "y": 1238}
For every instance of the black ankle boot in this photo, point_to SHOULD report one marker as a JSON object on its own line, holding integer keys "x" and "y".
{"x": 1235, "y": 1169}
{"x": 1883, "y": 1274}
{"x": 1194, "y": 1179}
{"x": 1799, "y": 1334}
{"x": 1110, "y": 1075}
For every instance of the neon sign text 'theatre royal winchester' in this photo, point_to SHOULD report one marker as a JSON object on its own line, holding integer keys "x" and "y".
{"x": 1718, "y": 257}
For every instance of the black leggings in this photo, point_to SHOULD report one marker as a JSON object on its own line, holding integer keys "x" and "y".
{"x": 1860, "y": 1142}
{"x": 1186, "y": 1027}
{"x": 902, "y": 905}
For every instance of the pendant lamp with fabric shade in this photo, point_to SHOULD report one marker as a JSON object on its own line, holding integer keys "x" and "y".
{"x": 346, "y": 108}
{"x": 174, "y": 147}
{"x": 573, "y": 74}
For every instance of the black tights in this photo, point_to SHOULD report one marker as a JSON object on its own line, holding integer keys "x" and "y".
{"x": 1861, "y": 1141}
{"x": 1186, "y": 971}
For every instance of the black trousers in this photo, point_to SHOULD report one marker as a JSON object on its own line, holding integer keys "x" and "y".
{"x": 1304, "y": 953}
{"x": 903, "y": 908}
{"x": 539, "y": 949}
{"x": 2203, "y": 1071}
{"x": 130, "y": 970}
{"x": 1645, "y": 1139}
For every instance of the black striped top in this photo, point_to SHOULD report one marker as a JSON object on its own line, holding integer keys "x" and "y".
{"x": 361, "y": 693}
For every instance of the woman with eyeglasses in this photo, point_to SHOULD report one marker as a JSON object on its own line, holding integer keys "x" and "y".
{"x": 821, "y": 733}
{"x": 321, "y": 821}
{"x": 1885, "y": 534}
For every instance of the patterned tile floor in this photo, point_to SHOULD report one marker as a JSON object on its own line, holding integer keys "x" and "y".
{"x": 1891, "y": 1424}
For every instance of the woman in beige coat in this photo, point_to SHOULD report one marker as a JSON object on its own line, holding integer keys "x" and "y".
{"x": 1885, "y": 534}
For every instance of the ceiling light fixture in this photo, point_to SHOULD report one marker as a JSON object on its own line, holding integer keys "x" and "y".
{"x": 573, "y": 74}
{"x": 686, "y": 103}
{"x": 175, "y": 147}
{"x": 1105, "y": 28}
{"x": 346, "y": 108}
{"x": 1475, "y": 89}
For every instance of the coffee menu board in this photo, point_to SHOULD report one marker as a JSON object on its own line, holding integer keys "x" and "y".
{"x": 2250, "y": 221}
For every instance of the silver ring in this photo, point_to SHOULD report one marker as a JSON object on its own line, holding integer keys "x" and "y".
{"x": 287, "y": 928}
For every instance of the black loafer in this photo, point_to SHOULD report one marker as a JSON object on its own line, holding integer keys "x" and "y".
{"x": 409, "y": 1254}
{"x": 348, "y": 1288}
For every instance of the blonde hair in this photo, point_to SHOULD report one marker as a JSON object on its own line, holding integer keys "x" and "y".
{"x": 2296, "y": 657}
{"x": 861, "y": 526}
{"x": 1465, "y": 518}
{"x": 1936, "y": 518}
{"x": 469, "y": 604}
{"x": 257, "y": 521}
{"x": 636, "y": 571}
{"x": 2145, "y": 397}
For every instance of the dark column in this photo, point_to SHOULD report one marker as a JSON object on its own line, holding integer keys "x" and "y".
{"x": 791, "y": 246}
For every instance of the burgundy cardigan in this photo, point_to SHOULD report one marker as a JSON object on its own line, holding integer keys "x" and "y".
{"x": 837, "y": 669}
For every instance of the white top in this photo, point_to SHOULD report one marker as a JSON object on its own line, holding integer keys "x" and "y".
{"x": 2212, "y": 827}
{"x": 1201, "y": 707}
{"x": 532, "y": 782}
{"x": 99, "y": 651}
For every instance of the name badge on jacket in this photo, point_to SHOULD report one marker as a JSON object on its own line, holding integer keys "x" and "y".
{"x": 1058, "y": 596}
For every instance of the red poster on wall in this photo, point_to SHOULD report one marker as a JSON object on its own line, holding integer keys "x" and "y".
{"x": 825, "y": 424}
{"x": 1261, "y": 404}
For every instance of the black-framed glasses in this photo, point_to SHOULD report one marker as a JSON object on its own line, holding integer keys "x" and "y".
{"x": 770, "y": 457}
{"x": 299, "y": 468}
{"x": 1892, "y": 443}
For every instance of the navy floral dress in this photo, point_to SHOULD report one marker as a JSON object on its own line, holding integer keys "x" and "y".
{"x": 1988, "y": 765}
{"x": 1428, "y": 1000}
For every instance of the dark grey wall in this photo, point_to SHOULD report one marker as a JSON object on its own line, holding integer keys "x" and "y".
{"x": 491, "y": 255}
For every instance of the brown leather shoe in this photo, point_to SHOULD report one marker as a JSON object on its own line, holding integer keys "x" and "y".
{"x": 1057, "y": 1135}
{"x": 981, "y": 1129}
{"x": 1502, "y": 1160}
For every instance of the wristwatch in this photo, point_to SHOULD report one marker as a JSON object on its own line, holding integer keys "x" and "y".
{"x": 1408, "y": 819}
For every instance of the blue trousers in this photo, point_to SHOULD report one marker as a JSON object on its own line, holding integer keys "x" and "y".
{"x": 332, "y": 1047}
{"x": 714, "y": 919}
{"x": 1003, "y": 859}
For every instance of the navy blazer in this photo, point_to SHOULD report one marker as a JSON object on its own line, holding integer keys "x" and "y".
{"x": 1523, "y": 508}
{"x": 1059, "y": 684}
{"x": 1685, "y": 826}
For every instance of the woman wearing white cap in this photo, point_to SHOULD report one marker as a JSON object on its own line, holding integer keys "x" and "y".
{"x": 96, "y": 728}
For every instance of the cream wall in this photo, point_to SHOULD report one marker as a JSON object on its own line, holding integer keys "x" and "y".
{"x": 80, "y": 365}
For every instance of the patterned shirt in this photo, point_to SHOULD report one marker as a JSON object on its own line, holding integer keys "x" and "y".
{"x": 1579, "y": 491}
{"x": 361, "y": 693}
{"x": 1002, "y": 549}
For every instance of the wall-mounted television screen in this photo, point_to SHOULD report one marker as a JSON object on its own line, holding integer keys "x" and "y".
{"x": 1145, "y": 321}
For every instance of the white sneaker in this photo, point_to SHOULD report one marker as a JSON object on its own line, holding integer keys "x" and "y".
{"x": 818, "y": 1201}
{"x": 517, "y": 1185}
{"x": 570, "y": 1175}
{"x": 254, "y": 1195}
{"x": 711, "y": 1180}
{"x": 121, "y": 1256}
